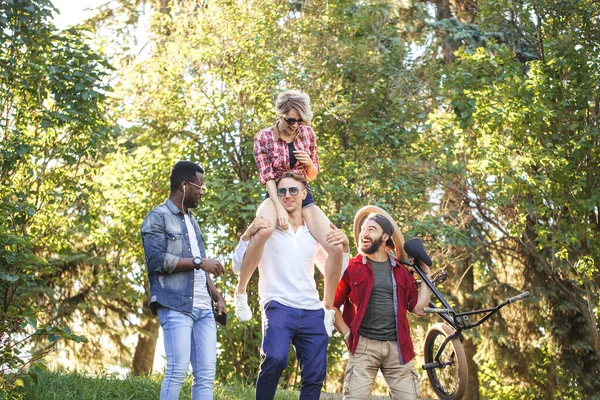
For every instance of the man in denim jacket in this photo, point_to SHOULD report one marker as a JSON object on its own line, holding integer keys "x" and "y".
{"x": 181, "y": 290}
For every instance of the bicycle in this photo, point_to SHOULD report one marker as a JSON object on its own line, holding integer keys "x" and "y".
{"x": 444, "y": 355}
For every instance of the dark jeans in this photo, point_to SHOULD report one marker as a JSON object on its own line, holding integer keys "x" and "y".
{"x": 304, "y": 329}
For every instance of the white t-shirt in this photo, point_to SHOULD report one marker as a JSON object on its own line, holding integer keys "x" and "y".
{"x": 202, "y": 297}
{"x": 287, "y": 268}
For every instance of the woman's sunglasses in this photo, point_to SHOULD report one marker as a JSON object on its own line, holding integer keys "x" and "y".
{"x": 292, "y": 121}
{"x": 293, "y": 191}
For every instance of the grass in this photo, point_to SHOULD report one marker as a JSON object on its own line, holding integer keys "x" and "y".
{"x": 80, "y": 386}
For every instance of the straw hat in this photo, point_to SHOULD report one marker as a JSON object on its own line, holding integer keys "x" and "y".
{"x": 397, "y": 237}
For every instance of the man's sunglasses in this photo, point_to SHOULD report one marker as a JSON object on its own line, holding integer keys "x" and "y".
{"x": 292, "y": 121}
{"x": 293, "y": 191}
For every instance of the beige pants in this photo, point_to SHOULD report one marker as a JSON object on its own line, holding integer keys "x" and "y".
{"x": 370, "y": 357}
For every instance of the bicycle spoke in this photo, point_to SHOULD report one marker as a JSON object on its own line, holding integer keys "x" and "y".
{"x": 447, "y": 375}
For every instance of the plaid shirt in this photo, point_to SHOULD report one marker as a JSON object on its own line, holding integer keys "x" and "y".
{"x": 272, "y": 155}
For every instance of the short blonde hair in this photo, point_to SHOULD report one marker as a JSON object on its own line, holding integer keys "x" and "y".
{"x": 294, "y": 100}
{"x": 294, "y": 176}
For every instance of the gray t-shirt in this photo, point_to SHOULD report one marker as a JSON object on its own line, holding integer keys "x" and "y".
{"x": 379, "y": 322}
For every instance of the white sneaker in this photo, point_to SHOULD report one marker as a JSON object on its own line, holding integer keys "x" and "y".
{"x": 242, "y": 310}
{"x": 328, "y": 321}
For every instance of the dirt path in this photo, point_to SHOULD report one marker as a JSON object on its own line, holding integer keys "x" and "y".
{"x": 339, "y": 396}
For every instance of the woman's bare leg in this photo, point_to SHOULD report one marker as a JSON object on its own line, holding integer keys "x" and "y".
{"x": 252, "y": 257}
{"x": 319, "y": 226}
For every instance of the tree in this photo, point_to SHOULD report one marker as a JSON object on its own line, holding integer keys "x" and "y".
{"x": 53, "y": 132}
{"x": 477, "y": 133}
{"x": 524, "y": 136}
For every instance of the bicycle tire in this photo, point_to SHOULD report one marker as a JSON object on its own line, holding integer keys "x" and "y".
{"x": 449, "y": 383}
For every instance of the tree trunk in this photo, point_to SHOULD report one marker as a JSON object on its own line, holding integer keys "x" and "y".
{"x": 468, "y": 286}
{"x": 549, "y": 390}
{"x": 465, "y": 10}
{"x": 143, "y": 358}
{"x": 457, "y": 207}
{"x": 548, "y": 387}
{"x": 448, "y": 47}
{"x": 473, "y": 379}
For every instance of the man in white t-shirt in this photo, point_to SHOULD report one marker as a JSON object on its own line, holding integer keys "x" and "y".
{"x": 292, "y": 310}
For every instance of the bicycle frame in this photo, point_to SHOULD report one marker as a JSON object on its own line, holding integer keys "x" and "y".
{"x": 459, "y": 321}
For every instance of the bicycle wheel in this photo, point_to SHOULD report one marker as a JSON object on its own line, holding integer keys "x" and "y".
{"x": 448, "y": 382}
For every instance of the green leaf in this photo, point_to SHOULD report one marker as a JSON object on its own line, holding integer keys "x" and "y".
{"x": 7, "y": 277}
{"x": 32, "y": 321}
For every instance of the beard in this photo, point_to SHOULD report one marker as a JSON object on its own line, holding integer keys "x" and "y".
{"x": 374, "y": 246}
{"x": 190, "y": 202}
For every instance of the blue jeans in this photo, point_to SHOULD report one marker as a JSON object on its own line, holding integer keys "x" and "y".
{"x": 304, "y": 329}
{"x": 189, "y": 338}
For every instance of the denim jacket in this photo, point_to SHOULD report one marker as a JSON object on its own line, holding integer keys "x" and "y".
{"x": 165, "y": 240}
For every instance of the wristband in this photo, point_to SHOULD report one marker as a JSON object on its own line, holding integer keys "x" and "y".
{"x": 346, "y": 335}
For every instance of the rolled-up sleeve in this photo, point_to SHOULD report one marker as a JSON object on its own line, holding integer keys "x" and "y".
{"x": 238, "y": 256}
{"x": 154, "y": 239}
{"x": 262, "y": 156}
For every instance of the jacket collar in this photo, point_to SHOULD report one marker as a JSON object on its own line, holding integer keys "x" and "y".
{"x": 172, "y": 207}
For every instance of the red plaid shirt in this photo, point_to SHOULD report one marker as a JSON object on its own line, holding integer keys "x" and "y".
{"x": 272, "y": 155}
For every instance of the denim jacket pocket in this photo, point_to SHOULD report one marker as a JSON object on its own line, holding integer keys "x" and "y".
{"x": 174, "y": 243}
{"x": 179, "y": 282}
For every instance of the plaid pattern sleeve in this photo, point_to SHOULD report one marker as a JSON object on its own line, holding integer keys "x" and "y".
{"x": 312, "y": 147}
{"x": 306, "y": 140}
{"x": 263, "y": 149}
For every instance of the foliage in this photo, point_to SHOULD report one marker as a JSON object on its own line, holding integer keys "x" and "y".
{"x": 525, "y": 139}
{"x": 52, "y": 132}
{"x": 82, "y": 386}
{"x": 207, "y": 84}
